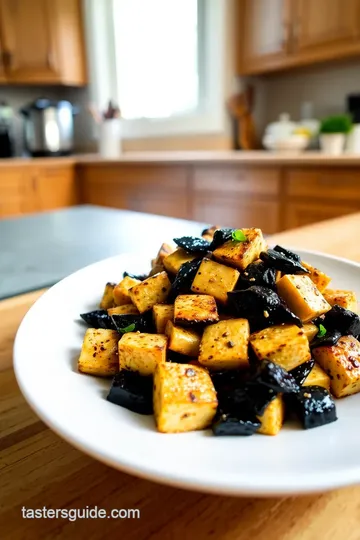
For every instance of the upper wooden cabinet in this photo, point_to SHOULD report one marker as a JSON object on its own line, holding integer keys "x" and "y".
{"x": 265, "y": 33}
{"x": 280, "y": 34}
{"x": 42, "y": 42}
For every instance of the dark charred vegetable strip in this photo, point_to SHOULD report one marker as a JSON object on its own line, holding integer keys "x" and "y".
{"x": 257, "y": 274}
{"x": 193, "y": 244}
{"x": 220, "y": 237}
{"x": 301, "y": 372}
{"x": 229, "y": 424}
{"x": 275, "y": 377}
{"x": 345, "y": 321}
{"x": 143, "y": 323}
{"x": 132, "y": 391}
{"x": 289, "y": 254}
{"x": 279, "y": 261}
{"x": 184, "y": 278}
{"x": 98, "y": 319}
{"x": 140, "y": 277}
{"x": 330, "y": 339}
{"x": 314, "y": 406}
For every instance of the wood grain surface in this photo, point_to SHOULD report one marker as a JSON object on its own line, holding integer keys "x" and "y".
{"x": 39, "y": 469}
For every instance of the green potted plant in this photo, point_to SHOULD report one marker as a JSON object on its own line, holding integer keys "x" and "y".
{"x": 333, "y": 132}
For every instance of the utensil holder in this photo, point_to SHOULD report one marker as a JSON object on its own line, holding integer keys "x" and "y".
{"x": 110, "y": 138}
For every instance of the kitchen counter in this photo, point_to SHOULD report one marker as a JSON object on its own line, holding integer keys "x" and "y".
{"x": 40, "y": 469}
{"x": 255, "y": 157}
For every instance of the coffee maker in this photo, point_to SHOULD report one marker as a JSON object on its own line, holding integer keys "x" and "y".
{"x": 6, "y": 140}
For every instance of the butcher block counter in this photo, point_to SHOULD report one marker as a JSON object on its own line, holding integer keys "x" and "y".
{"x": 38, "y": 469}
{"x": 272, "y": 190}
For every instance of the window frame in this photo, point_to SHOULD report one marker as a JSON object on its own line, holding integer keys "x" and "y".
{"x": 210, "y": 116}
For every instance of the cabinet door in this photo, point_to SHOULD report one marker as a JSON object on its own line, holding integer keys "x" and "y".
{"x": 29, "y": 52}
{"x": 2, "y": 67}
{"x": 326, "y": 27}
{"x": 265, "y": 34}
{"x": 55, "y": 188}
{"x": 16, "y": 191}
{"x": 299, "y": 214}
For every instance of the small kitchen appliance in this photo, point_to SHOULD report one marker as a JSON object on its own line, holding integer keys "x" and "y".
{"x": 6, "y": 140}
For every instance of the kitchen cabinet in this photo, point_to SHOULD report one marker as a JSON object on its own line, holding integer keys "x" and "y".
{"x": 157, "y": 189}
{"x": 2, "y": 67}
{"x": 306, "y": 212}
{"x": 42, "y": 42}
{"x": 281, "y": 34}
{"x": 265, "y": 33}
{"x": 28, "y": 189}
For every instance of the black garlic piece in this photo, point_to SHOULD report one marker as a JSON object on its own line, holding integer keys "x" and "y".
{"x": 241, "y": 424}
{"x": 142, "y": 323}
{"x": 277, "y": 260}
{"x": 328, "y": 340}
{"x": 343, "y": 320}
{"x": 301, "y": 372}
{"x": 287, "y": 253}
{"x": 140, "y": 277}
{"x": 275, "y": 377}
{"x": 220, "y": 237}
{"x": 192, "y": 244}
{"x": 132, "y": 391}
{"x": 184, "y": 278}
{"x": 98, "y": 318}
{"x": 314, "y": 406}
{"x": 256, "y": 274}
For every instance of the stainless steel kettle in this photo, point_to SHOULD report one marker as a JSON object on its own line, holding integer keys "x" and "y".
{"x": 49, "y": 127}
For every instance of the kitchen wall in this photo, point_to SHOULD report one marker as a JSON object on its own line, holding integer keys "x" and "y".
{"x": 326, "y": 86}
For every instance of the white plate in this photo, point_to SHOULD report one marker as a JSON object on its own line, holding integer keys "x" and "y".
{"x": 73, "y": 405}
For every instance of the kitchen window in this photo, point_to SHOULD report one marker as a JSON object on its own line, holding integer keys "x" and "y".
{"x": 162, "y": 61}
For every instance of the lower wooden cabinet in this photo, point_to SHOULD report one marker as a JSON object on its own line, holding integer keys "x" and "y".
{"x": 298, "y": 214}
{"x": 55, "y": 187}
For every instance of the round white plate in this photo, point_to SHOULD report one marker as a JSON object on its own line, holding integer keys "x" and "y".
{"x": 74, "y": 406}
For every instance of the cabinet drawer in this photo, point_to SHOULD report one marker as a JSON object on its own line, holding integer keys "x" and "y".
{"x": 234, "y": 179}
{"x": 324, "y": 183}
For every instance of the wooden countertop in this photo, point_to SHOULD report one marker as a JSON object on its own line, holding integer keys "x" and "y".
{"x": 39, "y": 469}
{"x": 256, "y": 157}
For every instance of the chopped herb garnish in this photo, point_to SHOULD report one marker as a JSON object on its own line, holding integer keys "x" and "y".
{"x": 321, "y": 332}
{"x": 129, "y": 328}
{"x": 239, "y": 236}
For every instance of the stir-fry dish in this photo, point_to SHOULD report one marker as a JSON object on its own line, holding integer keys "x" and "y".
{"x": 226, "y": 333}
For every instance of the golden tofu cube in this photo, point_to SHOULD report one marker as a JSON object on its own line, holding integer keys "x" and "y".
{"x": 215, "y": 279}
{"x": 318, "y": 377}
{"x": 154, "y": 290}
{"x": 310, "y": 330}
{"x": 225, "y": 345}
{"x": 99, "y": 353}
{"x": 318, "y": 277}
{"x": 107, "y": 300}
{"x": 122, "y": 290}
{"x": 184, "y": 398}
{"x": 345, "y": 299}
{"x": 195, "y": 309}
{"x": 182, "y": 340}
{"x": 208, "y": 234}
{"x": 162, "y": 313}
{"x": 173, "y": 261}
{"x": 278, "y": 276}
{"x": 342, "y": 363}
{"x": 273, "y": 418}
{"x": 126, "y": 309}
{"x": 163, "y": 252}
{"x": 302, "y": 297}
{"x": 241, "y": 254}
{"x": 142, "y": 352}
{"x": 286, "y": 345}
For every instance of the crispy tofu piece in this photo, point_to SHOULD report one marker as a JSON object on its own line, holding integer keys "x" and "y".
{"x": 318, "y": 377}
{"x": 302, "y": 297}
{"x": 225, "y": 345}
{"x": 208, "y": 234}
{"x": 241, "y": 254}
{"x": 163, "y": 252}
{"x": 182, "y": 340}
{"x": 286, "y": 345}
{"x": 107, "y": 300}
{"x": 273, "y": 418}
{"x": 184, "y": 398}
{"x": 215, "y": 279}
{"x": 99, "y": 353}
{"x": 193, "y": 309}
{"x": 162, "y": 313}
{"x": 319, "y": 278}
{"x": 122, "y": 290}
{"x": 342, "y": 363}
{"x": 310, "y": 330}
{"x": 345, "y": 299}
{"x": 154, "y": 290}
{"x": 173, "y": 261}
{"x": 126, "y": 309}
{"x": 142, "y": 352}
